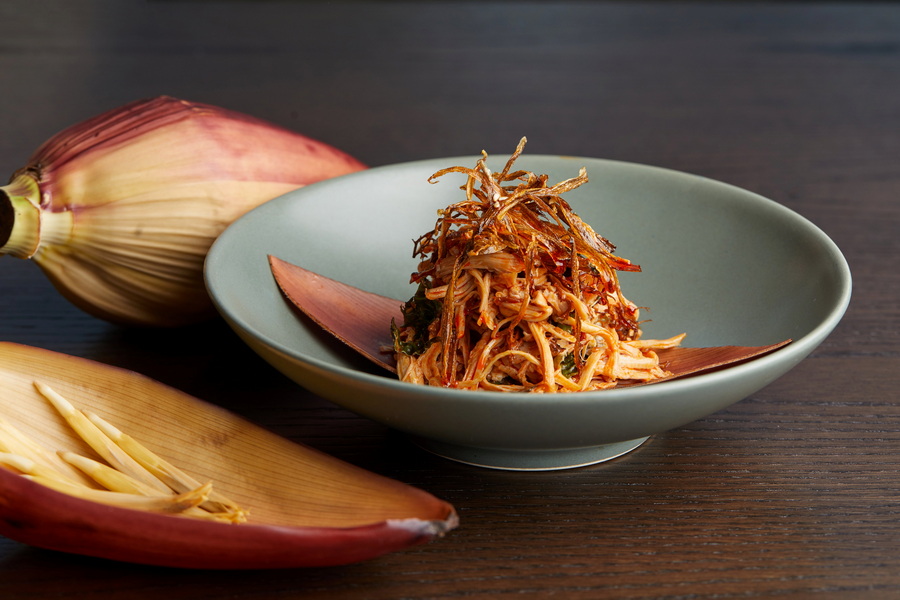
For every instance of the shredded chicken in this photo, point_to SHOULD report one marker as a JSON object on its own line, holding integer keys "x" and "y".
{"x": 517, "y": 293}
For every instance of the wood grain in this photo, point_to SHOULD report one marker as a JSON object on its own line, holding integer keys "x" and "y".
{"x": 789, "y": 493}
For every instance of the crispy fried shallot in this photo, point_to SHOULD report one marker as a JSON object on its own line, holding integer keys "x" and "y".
{"x": 517, "y": 293}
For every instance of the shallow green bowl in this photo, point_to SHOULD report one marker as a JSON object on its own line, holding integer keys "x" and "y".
{"x": 727, "y": 266}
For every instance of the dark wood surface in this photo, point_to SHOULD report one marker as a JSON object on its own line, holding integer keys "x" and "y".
{"x": 793, "y": 492}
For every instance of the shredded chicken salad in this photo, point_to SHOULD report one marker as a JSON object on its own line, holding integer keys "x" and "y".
{"x": 516, "y": 293}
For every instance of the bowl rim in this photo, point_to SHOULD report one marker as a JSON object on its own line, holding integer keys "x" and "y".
{"x": 794, "y": 352}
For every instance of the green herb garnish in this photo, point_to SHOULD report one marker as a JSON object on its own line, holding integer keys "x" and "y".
{"x": 567, "y": 365}
{"x": 418, "y": 313}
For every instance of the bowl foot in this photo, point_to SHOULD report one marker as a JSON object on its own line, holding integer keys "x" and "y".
{"x": 529, "y": 460}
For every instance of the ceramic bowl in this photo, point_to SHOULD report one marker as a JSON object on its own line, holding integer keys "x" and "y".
{"x": 725, "y": 265}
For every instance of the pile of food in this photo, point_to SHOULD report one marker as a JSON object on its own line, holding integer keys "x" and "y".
{"x": 129, "y": 476}
{"x": 516, "y": 293}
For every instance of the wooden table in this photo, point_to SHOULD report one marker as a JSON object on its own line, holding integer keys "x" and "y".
{"x": 793, "y": 492}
